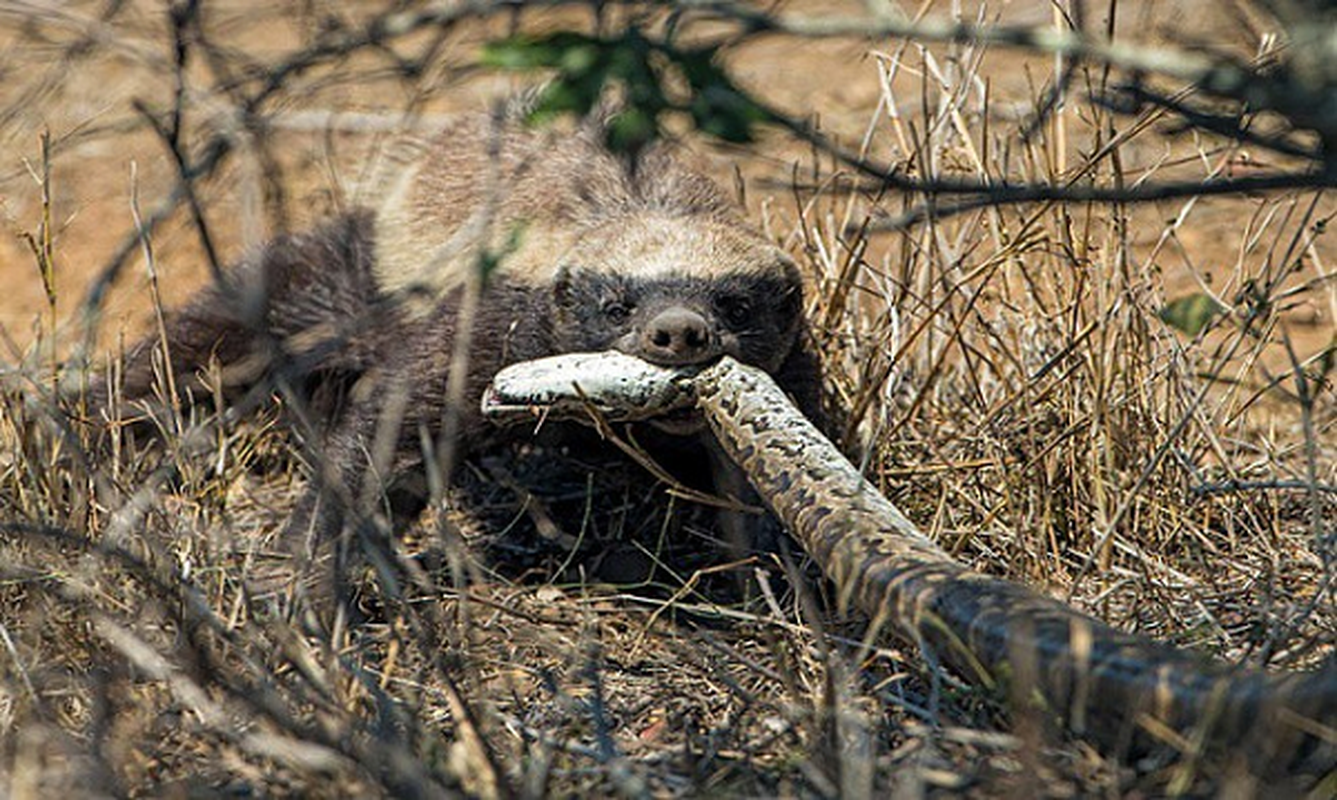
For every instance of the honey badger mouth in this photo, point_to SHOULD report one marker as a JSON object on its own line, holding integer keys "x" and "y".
{"x": 675, "y": 336}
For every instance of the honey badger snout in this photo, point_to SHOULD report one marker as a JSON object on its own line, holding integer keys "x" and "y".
{"x": 677, "y": 335}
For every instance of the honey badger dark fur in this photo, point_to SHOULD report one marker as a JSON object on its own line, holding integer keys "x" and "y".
{"x": 593, "y": 253}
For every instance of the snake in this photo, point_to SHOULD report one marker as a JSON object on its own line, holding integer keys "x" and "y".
{"x": 1125, "y": 693}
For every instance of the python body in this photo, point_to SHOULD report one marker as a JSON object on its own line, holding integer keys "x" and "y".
{"x": 1122, "y": 691}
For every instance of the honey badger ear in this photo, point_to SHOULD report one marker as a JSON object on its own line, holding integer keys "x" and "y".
{"x": 800, "y": 375}
{"x": 791, "y": 299}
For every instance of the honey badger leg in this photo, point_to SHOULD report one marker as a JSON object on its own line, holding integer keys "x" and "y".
{"x": 337, "y": 521}
{"x": 374, "y": 451}
{"x": 744, "y": 532}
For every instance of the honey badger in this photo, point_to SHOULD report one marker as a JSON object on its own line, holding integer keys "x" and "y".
{"x": 587, "y": 251}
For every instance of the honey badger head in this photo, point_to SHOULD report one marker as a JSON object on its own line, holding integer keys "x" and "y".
{"x": 677, "y": 289}
{"x": 654, "y": 261}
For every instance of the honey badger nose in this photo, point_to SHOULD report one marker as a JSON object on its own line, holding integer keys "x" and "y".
{"x": 675, "y": 336}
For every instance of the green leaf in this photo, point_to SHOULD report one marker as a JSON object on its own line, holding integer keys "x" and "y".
{"x": 586, "y": 66}
{"x": 573, "y": 96}
{"x": 631, "y": 129}
{"x": 569, "y": 51}
{"x": 718, "y": 106}
{"x": 1191, "y": 313}
{"x": 726, "y": 114}
{"x": 516, "y": 53}
{"x": 701, "y": 71}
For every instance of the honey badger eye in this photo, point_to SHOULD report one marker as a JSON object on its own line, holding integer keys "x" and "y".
{"x": 735, "y": 310}
{"x": 617, "y": 311}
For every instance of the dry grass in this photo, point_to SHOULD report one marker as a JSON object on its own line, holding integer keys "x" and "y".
{"x": 1004, "y": 374}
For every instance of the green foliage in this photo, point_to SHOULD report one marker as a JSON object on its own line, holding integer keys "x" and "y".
{"x": 586, "y": 67}
{"x": 718, "y": 107}
{"x": 1191, "y": 313}
{"x": 490, "y": 260}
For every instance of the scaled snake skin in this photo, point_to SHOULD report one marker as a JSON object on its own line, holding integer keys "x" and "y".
{"x": 1120, "y": 691}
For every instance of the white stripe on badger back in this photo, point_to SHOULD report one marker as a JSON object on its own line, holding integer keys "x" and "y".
{"x": 562, "y": 198}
